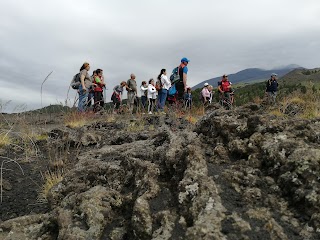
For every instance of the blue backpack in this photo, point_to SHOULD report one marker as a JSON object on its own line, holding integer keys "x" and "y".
{"x": 175, "y": 76}
{"x": 172, "y": 90}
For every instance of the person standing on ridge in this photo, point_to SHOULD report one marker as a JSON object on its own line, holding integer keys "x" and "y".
{"x": 151, "y": 96}
{"x": 181, "y": 85}
{"x": 224, "y": 87}
{"x": 98, "y": 90}
{"x": 131, "y": 91}
{"x": 272, "y": 88}
{"x": 117, "y": 96}
{"x": 85, "y": 84}
{"x": 144, "y": 92}
{"x": 205, "y": 94}
{"x": 165, "y": 85}
{"x": 91, "y": 91}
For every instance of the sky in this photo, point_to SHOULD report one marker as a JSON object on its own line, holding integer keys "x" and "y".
{"x": 142, "y": 37}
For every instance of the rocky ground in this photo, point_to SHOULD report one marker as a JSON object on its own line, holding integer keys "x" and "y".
{"x": 238, "y": 174}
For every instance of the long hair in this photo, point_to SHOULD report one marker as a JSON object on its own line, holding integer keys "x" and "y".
{"x": 161, "y": 72}
{"x": 84, "y": 66}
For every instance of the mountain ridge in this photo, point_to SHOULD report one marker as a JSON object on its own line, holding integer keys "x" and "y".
{"x": 249, "y": 75}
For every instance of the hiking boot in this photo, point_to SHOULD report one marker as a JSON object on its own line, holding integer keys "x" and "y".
{"x": 150, "y": 112}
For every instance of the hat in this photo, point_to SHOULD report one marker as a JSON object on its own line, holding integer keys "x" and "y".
{"x": 274, "y": 74}
{"x": 225, "y": 75}
{"x": 206, "y": 84}
{"x": 185, "y": 59}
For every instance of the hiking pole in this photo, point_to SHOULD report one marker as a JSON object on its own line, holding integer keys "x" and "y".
{"x": 42, "y": 85}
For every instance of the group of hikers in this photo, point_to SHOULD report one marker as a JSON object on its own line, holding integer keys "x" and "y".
{"x": 155, "y": 93}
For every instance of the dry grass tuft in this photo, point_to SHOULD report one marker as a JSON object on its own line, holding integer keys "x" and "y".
{"x": 304, "y": 105}
{"x": 111, "y": 119}
{"x": 277, "y": 112}
{"x": 191, "y": 119}
{"x": 77, "y": 120}
{"x": 5, "y": 140}
{"x": 50, "y": 180}
{"x": 136, "y": 126}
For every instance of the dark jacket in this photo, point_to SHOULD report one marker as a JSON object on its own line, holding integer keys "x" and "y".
{"x": 272, "y": 85}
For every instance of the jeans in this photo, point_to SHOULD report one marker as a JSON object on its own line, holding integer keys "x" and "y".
{"x": 90, "y": 97}
{"x": 272, "y": 97}
{"x": 143, "y": 102}
{"x": 83, "y": 97}
{"x": 162, "y": 98}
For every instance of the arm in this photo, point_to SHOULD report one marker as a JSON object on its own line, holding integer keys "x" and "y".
{"x": 102, "y": 81}
{"x": 82, "y": 77}
{"x": 185, "y": 81}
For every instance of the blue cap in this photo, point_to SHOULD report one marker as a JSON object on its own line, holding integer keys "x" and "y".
{"x": 185, "y": 60}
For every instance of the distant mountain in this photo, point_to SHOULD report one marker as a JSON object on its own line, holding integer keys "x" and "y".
{"x": 299, "y": 76}
{"x": 250, "y": 75}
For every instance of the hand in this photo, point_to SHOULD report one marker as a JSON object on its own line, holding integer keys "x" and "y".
{"x": 84, "y": 89}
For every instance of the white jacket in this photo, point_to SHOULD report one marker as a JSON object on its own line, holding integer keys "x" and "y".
{"x": 142, "y": 89}
{"x": 165, "y": 82}
{"x": 152, "y": 92}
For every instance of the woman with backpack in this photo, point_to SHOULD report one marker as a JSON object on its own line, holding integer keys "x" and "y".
{"x": 85, "y": 84}
{"x": 151, "y": 96}
{"x": 116, "y": 96}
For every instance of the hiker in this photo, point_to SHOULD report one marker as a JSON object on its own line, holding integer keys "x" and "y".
{"x": 272, "y": 88}
{"x": 224, "y": 87}
{"x": 131, "y": 91}
{"x": 98, "y": 90}
{"x": 85, "y": 84}
{"x": 165, "y": 85}
{"x": 117, "y": 96}
{"x": 181, "y": 85}
{"x": 151, "y": 96}
{"x": 91, "y": 91}
{"x": 205, "y": 94}
{"x": 188, "y": 99}
{"x": 144, "y": 92}
{"x": 210, "y": 88}
{"x": 158, "y": 92}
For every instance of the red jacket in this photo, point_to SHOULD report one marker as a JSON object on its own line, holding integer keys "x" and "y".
{"x": 225, "y": 86}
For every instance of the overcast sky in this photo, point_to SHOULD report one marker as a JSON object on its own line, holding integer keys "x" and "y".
{"x": 144, "y": 36}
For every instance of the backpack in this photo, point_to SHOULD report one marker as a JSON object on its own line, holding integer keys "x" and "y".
{"x": 175, "y": 76}
{"x": 172, "y": 90}
{"x": 75, "y": 82}
{"x": 159, "y": 85}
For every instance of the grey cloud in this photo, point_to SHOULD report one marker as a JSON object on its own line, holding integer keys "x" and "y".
{"x": 144, "y": 36}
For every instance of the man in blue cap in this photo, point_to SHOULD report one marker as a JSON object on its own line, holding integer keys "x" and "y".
{"x": 181, "y": 85}
{"x": 272, "y": 88}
